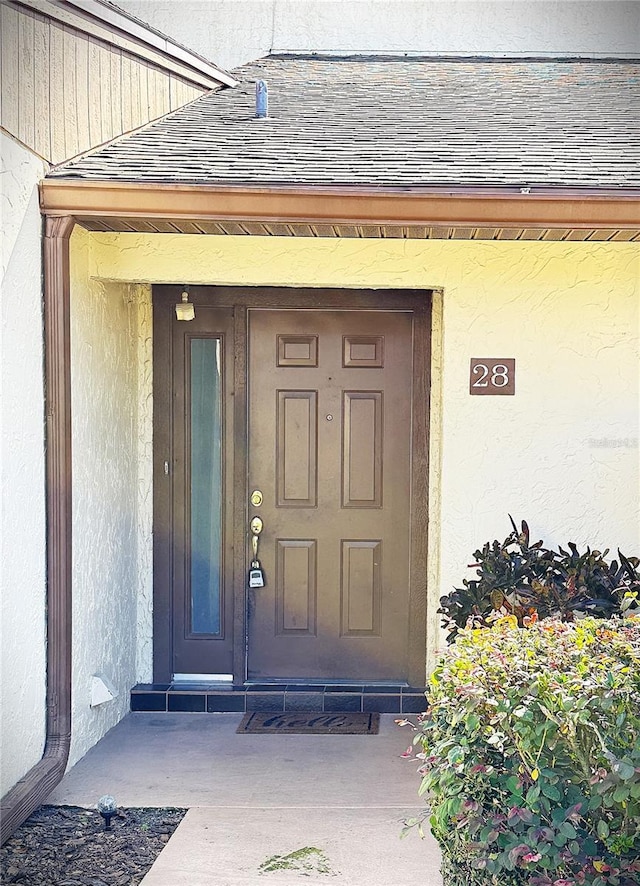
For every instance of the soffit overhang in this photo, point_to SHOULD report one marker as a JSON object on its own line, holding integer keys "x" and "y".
{"x": 426, "y": 213}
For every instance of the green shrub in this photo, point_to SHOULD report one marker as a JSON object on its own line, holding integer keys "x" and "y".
{"x": 530, "y": 754}
{"x": 514, "y": 576}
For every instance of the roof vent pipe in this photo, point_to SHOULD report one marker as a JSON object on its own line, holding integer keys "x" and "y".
{"x": 262, "y": 99}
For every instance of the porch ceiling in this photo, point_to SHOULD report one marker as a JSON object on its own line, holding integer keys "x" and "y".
{"x": 383, "y": 232}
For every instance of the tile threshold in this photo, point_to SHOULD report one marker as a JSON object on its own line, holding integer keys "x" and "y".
{"x": 374, "y": 697}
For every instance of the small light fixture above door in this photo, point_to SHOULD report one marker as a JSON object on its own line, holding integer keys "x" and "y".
{"x": 184, "y": 308}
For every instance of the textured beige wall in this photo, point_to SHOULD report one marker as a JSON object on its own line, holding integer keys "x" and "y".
{"x": 232, "y": 32}
{"x": 111, "y": 440}
{"x": 144, "y": 430}
{"x": 562, "y": 453}
{"x": 22, "y": 529}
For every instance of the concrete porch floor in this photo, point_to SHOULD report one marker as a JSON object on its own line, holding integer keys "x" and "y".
{"x": 252, "y": 797}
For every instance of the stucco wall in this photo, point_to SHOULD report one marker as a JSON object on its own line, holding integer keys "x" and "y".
{"x": 144, "y": 638}
{"x": 22, "y": 530}
{"x": 231, "y": 32}
{"x": 562, "y": 453}
{"x": 110, "y": 338}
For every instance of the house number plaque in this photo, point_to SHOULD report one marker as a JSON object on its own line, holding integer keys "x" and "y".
{"x": 492, "y": 375}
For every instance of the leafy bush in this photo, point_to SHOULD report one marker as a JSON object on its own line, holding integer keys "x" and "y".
{"x": 526, "y": 579}
{"x": 530, "y": 754}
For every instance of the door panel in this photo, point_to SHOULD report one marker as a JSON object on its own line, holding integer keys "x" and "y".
{"x": 297, "y": 448}
{"x": 202, "y": 641}
{"x": 296, "y": 586}
{"x": 360, "y": 588}
{"x": 330, "y": 428}
{"x": 362, "y": 435}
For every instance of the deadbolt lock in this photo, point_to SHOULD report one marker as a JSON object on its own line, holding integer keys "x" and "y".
{"x": 256, "y": 498}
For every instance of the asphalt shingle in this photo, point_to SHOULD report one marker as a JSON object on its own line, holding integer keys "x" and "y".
{"x": 402, "y": 123}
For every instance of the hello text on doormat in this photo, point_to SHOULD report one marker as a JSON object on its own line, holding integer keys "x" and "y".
{"x": 309, "y": 723}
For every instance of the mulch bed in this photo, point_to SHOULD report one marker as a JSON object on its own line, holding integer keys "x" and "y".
{"x": 69, "y": 846}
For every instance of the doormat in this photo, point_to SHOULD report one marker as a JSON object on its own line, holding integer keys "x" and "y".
{"x": 309, "y": 723}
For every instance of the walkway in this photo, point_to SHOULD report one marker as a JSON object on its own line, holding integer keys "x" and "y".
{"x": 254, "y": 797}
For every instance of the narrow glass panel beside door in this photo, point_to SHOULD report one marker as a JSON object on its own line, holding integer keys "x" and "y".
{"x": 205, "y": 512}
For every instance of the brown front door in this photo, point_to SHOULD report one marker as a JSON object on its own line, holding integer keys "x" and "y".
{"x": 330, "y": 448}
{"x": 319, "y": 400}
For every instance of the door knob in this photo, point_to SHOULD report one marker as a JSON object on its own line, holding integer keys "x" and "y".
{"x": 256, "y": 527}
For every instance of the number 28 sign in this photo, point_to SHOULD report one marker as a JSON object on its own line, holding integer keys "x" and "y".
{"x": 492, "y": 375}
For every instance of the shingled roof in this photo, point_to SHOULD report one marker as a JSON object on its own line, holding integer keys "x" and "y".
{"x": 395, "y": 123}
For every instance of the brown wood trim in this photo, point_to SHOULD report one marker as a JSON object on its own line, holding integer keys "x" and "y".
{"x": 33, "y": 789}
{"x": 474, "y": 208}
{"x": 162, "y": 493}
{"x": 170, "y": 511}
{"x": 240, "y": 500}
{"x": 293, "y": 297}
{"x": 418, "y": 640}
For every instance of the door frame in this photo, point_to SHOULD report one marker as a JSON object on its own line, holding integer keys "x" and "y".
{"x": 241, "y": 299}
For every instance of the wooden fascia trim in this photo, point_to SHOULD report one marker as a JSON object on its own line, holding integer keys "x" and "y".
{"x": 559, "y": 209}
{"x": 33, "y": 789}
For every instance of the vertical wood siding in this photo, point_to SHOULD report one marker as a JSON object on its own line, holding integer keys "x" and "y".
{"x": 64, "y": 92}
